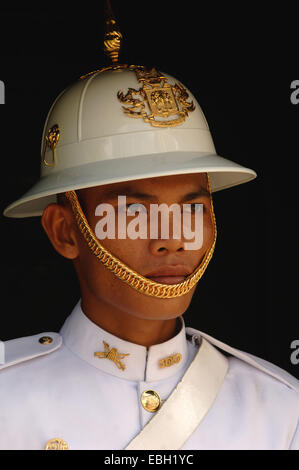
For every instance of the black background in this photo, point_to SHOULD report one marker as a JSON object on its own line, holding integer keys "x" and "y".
{"x": 239, "y": 62}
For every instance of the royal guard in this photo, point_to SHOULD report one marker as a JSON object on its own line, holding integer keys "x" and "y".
{"x": 124, "y": 372}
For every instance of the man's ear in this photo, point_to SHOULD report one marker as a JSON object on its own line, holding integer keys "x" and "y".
{"x": 58, "y": 224}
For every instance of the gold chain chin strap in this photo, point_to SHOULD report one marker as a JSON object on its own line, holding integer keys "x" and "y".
{"x": 128, "y": 275}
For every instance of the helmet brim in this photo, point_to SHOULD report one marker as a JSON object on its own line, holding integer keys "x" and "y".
{"x": 223, "y": 174}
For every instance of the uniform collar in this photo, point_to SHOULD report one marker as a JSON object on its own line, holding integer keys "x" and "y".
{"x": 84, "y": 338}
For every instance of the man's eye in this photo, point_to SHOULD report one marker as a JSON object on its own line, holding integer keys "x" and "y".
{"x": 133, "y": 209}
{"x": 136, "y": 208}
{"x": 193, "y": 208}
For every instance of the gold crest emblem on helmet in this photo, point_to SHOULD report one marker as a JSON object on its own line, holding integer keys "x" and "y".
{"x": 156, "y": 100}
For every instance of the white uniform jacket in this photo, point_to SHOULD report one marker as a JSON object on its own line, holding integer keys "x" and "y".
{"x": 61, "y": 389}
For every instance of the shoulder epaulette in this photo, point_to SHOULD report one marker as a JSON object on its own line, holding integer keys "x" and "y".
{"x": 257, "y": 362}
{"x": 29, "y": 347}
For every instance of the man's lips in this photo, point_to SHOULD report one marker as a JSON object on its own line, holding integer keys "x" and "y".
{"x": 169, "y": 274}
{"x": 167, "y": 279}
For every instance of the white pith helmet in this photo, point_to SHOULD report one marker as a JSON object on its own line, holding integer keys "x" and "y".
{"x": 119, "y": 124}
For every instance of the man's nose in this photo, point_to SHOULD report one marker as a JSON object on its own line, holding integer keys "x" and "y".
{"x": 163, "y": 246}
{"x": 167, "y": 236}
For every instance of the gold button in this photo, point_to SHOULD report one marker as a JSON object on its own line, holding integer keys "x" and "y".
{"x": 45, "y": 340}
{"x": 150, "y": 400}
{"x": 57, "y": 444}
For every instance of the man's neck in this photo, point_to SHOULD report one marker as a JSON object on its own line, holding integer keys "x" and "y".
{"x": 127, "y": 326}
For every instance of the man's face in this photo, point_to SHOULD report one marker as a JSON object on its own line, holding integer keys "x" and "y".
{"x": 164, "y": 260}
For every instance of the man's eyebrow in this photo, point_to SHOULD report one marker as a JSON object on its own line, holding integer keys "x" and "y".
{"x": 202, "y": 192}
{"x": 113, "y": 194}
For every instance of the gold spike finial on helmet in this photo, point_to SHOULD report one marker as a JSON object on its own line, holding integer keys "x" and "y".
{"x": 112, "y": 37}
